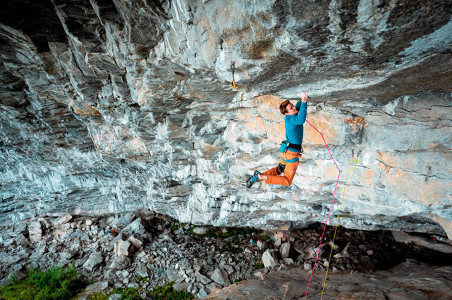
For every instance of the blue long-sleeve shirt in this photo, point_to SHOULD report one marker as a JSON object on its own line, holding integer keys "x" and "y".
{"x": 294, "y": 125}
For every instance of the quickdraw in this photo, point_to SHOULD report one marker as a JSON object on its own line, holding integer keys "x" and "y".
{"x": 233, "y": 71}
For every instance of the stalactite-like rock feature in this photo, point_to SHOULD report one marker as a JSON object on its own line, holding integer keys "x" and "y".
{"x": 119, "y": 105}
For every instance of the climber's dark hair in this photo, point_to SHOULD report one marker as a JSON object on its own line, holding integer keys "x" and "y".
{"x": 283, "y": 107}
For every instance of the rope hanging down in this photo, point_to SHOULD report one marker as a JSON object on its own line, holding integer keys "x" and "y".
{"x": 338, "y": 218}
{"x": 318, "y": 250}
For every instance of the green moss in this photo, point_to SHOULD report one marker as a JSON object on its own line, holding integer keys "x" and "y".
{"x": 217, "y": 232}
{"x": 175, "y": 227}
{"x": 126, "y": 294}
{"x": 258, "y": 266}
{"x": 19, "y": 290}
{"x": 55, "y": 283}
{"x": 169, "y": 293}
{"x": 238, "y": 280}
{"x": 241, "y": 231}
{"x": 100, "y": 296}
{"x": 12, "y": 278}
{"x": 159, "y": 293}
{"x": 141, "y": 279}
{"x": 230, "y": 244}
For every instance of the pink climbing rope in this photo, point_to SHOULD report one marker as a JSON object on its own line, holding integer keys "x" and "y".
{"x": 331, "y": 204}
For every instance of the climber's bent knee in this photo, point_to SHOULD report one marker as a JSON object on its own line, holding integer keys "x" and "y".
{"x": 281, "y": 168}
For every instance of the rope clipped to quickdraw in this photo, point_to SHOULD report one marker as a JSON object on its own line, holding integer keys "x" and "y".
{"x": 233, "y": 71}
{"x": 338, "y": 218}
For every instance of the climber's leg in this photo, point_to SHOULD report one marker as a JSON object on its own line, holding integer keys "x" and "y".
{"x": 289, "y": 172}
{"x": 275, "y": 171}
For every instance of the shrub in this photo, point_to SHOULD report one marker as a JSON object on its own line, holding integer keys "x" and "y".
{"x": 12, "y": 279}
{"x": 53, "y": 284}
{"x": 169, "y": 293}
{"x": 229, "y": 246}
{"x": 258, "y": 266}
{"x": 216, "y": 232}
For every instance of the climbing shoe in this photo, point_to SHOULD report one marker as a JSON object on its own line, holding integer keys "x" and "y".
{"x": 253, "y": 179}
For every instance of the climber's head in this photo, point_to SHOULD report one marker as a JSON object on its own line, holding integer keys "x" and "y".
{"x": 287, "y": 108}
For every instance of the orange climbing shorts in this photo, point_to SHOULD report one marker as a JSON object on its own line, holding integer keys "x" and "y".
{"x": 273, "y": 175}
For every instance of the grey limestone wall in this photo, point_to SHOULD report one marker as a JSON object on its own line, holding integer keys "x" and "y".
{"x": 110, "y": 106}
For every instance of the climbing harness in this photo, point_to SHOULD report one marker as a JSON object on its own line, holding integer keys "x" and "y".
{"x": 289, "y": 161}
{"x": 338, "y": 218}
{"x": 233, "y": 71}
{"x": 331, "y": 204}
{"x": 285, "y": 145}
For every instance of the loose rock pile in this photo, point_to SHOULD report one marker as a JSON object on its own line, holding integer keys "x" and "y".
{"x": 143, "y": 251}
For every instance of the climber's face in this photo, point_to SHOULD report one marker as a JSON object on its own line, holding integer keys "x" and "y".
{"x": 291, "y": 110}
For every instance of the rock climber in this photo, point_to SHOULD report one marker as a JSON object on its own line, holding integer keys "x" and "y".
{"x": 290, "y": 149}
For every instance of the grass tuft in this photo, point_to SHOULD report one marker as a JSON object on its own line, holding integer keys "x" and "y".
{"x": 169, "y": 293}
{"x": 126, "y": 294}
{"x": 54, "y": 284}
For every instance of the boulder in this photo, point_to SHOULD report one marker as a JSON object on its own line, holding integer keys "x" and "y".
{"x": 62, "y": 229}
{"x": 268, "y": 259}
{"x": 93, "y": 261}
{"x": 142, "y": 271}
{"x": 403, "y": 237}
{"x": 134, "y": 227}
{"x": 344, "y": 253}
{"x": 284, "y": 250}
{"x": 22, "y": 252}
{"x": 92, "y": 289}
{"x": 19, "y": 275}
{"x": 67, "y": 254}
{"x": 119, "y": 262}
{"x": 45, "y": 223}
{"x": 220, "y": 276}
{"x": 8, "y": 242}
{"x": 201, "y": 278}
{"x": 121, "y": 221}
{"x": 201, "y": 294}
{"x": 260, "y": 245}
{"x": 5, "y": 258}
{"x": 121, "y": 248}
{"x": 110, "y": 246}
{"x": 21, "y": 240}
{"x": 35, "y": 231}
{"x": 180, "y": 286}
{"x": 135, "y": 240}
{"x": 229, "y": 269}
{"x": 63, "y": 219}
{"x": 213, "y": 286}
{"x": 300, "y": 257}
{"x": 200, "y": 230}
{"x": 312, "y": 252}
{"x": 19, "y": 229}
